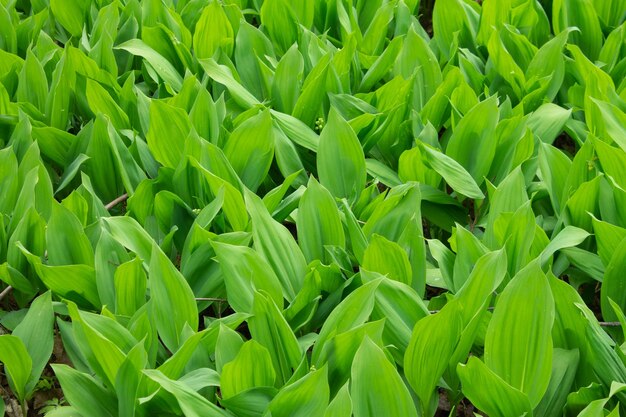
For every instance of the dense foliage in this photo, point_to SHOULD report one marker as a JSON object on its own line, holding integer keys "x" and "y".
{"x": 313, "y": 208}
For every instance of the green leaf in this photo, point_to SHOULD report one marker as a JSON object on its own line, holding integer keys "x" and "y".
{"x": 36, "y": 332}
{"x": 213, "y": 32}
{"x": 252, "y": 367}
{"x": 250, "y": 149}
{"x": 489, "y": 392}
{"x": 245, "y": 272}
{"x": 455, "y": 175}
{"x": 130, "y": 287}
{"x": 387, "y": 258}
{"x": 353, "y": 311}
{"x": 569, "y": 237}
{"x": 319, "y": 223}
{"x": 85, "y": 394}
{"x": 174, "y": 304}
{"x": 74, "y": 282}
{"x": 269, "y": 327}
{"x": 192, "y": 403}
{"x": 169, "y": 127}
{"x": 67, "y": 242}
{"x": 341, "y": 405}
{"x": 564, "y": 367}
{"x": 473, "y": 142}
{"x": 431, "y": 347}
{"x": 281, "y": 22}
{"x": 377, "y": 388}
{"x": 582, "y": 15}
{"x": 17, "y": 364}
{"x": 274, "y": 241}
{"x": 612, "y": 286}
{"x": 288, "y": 80}
{"x": 162, "y": 66}
{"x": 518, "y": 343}
{"x": 71, "y": 14}
{"x": 307, "y": 396}
{"x": 224, "y": 76}
{"x": 340, "y": 161}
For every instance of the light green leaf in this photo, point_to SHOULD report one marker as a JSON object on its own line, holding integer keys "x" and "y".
{"x": 319, "y": 223}
{"x": 455, "y": 175}
{"x": 307, "y": 396}
{"x": 17, "y": 363}
{"x": 162, "y": 66}
{"x": 174, "y": 305}
{"x": 377, "y": 388}
{"x": 213, "y": 32}
{"x": 432, "y": 344}
{"x": 340, "y": 161}
{"x": 518, "y": 343}
{"x": 36, "y": 332}
{"x": 490, "y": 393}
{"x": 252, "y": 367}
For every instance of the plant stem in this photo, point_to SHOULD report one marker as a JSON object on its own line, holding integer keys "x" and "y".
{"x": 115, "y": 202}
{"x": 5, "y": 292}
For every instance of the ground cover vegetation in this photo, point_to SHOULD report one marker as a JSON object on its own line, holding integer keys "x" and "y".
{"x": 313, "y": 208}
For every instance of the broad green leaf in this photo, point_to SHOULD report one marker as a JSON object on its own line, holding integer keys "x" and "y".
{"x": 612, "y": 285}
{"x": 288, "y": 80}
{"x": 396, "y": 303}
{"x": 252, "y": 52}
{"x": 67, "y": 242}
{"x": 307, "y": 396}
{"x": 473, "y": 142}
{"x": 432, "y": 344}
{"x": 341, "y": 162}
{"x": 518, "y": 346}
{"x": 281, "y": 22}
{"x": 341, "y": 405}
{"x": 580, "y": 14}
{"x": 353, "y": 311}
{"x": 387, "y": 258}
{"x": 453, "y": 20}
{"x": 224, "y": 76}
{"x": 85, "y": 393}
{"x": 36, "y": 332}
{"x": 269, "y": 327}
{"x": 455, "y": 175}
{"x": 103, "y": 355}
{"x": 277, "y": 245}
{"x": 252, "y": 367}
{"x": 485, "y": 278}
{"x": 17, "y": 364}
{"x": 338, "y": 353}
{"x": 227, "y": 347}
{"x": 174, "y": 304}
{"x": 245, "y": 272}
{"x": 169, "y": 127}
{"x": 489, "y": 392}
{"x": 100, "y": 101}
{"x": 162, "y": 66}
{"x": 377, "y": 388}
{"x": 71, "y": 15}
{"x": 192, "y": 403}
{"x": 564, "y": 366}
{"x": 250, "y": 149}
{"x": 130, "y": 287}
{"x": 131, "y": 235}
{"x": 319, "y": 223}
{"x": 213, "y": 32}
{"x": 74, "y": 282}
{"x": 568, "y": 237}
{"x": 547, "y": 122}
